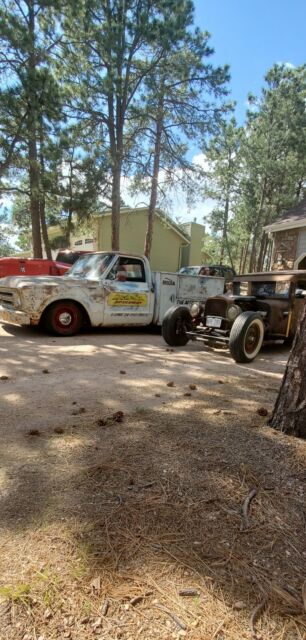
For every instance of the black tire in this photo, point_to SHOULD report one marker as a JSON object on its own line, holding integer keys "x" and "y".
{"x": 246, "y": 336}
{"x": 63, "y": 318}
{"x": 175, "y": 323}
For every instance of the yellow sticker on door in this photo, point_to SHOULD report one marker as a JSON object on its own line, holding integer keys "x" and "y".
{"x": 120, "y": 299}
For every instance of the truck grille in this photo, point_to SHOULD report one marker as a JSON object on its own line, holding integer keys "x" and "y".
{"x": 215, "y": 307}
{"x": 6, "y": 298}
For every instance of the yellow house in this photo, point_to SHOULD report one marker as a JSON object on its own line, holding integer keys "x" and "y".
{"x": 173, "y": 245}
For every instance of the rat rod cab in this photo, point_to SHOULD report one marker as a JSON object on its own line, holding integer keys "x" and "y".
{"x": 261, "y": 307}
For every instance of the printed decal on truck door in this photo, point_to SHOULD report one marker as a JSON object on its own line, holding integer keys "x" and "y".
{"x": 122, "y": 299}
{"x": 128, "y": 297}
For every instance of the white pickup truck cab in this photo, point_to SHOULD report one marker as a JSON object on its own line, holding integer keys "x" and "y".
{"x": 101, "y": 289}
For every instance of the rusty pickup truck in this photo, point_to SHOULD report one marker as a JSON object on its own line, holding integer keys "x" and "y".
{"x": 101, "y": 289}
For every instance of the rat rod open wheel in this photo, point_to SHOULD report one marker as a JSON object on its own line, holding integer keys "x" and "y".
{"x": 177, "y": 321}
{"x": 246, "y": 336}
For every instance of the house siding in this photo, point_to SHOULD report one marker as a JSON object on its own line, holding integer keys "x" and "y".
{"x": 285, "y": 249}
{"x": 301, "y": 245}
{"x": 166, "y": 245}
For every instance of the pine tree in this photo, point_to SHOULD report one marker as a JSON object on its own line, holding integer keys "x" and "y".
{"x": 274, "y": 153}
{"x": 28, "y": 37}
{"x": 121, "y": 43}
{"x": 181, "y": 101}
{"x": 222, "y": 182}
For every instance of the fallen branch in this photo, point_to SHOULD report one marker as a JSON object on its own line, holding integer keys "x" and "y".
{"x": 245, "y": 510}
{"x": 172, "y": 615}
{"x": 104, "y": 607}
{"x": 189, "y": 592}
{"x": 138, "y": 599}
{"x": 255, "y": 615}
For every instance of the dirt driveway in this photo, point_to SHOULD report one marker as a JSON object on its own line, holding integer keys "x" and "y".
{"x": 124, "y": 465}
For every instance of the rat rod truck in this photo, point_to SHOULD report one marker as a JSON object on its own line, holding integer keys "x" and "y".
{"x": 101, "y": 289}
{"x": 261, "y": 307}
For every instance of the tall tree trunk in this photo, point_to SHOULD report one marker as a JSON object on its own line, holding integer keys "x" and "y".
{"x": 154, "y": 184}
{"x": 224, "y": 242}
{"x": 269, "y": 253}
{"x": 245, "y": 256}
{"x": 241, "y": 259}
{"x": 289, "y": 414}
{"x": 34, "y": 177}
{"x": 70, "y": 207}
{"x": 262, "y": 252}
{"x": 44, "y": 228}
{"x": 34, "y": 196}
{"x": 116, "y": 201}
{"x": 42, "y": 200}
{"x": 69, "y": 227}
{"x": 252, "y": 265}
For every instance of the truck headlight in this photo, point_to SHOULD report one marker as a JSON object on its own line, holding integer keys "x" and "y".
{"x": 195, "y": 309}
{"x": 232, "y": 312}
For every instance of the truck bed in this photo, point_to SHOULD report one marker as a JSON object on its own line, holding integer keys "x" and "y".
{"x": 176, "y": 289}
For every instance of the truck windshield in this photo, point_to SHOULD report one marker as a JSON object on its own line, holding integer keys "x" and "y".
{"x": 273, "y": 289}
{"x": 263, "y": 289}
{"x": 90, "y": 266}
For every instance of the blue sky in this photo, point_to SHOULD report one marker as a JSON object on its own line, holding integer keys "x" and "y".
{"x": 251, "y": 36}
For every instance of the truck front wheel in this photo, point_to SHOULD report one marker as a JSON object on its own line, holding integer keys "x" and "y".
{"x": 176, "y": 322}
{"x": 246, "y": 336}
{"x": 64, "y": 318}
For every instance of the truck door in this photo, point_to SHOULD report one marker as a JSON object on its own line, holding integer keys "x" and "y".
{"x": 129, "y": 300}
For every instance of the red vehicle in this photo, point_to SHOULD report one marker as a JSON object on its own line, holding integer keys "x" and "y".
{"x": 69, "y": 257}
{"x": 40, "y": 266}
{"x": 31, "y": 267}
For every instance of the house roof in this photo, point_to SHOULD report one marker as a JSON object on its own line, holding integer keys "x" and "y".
{"x": 290, "y": 219}
{"x": 158, "y": 212}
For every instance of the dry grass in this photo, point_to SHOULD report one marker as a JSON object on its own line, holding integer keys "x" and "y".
{"x": 109, "y": 523}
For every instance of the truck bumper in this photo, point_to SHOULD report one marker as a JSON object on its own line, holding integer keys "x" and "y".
{"x": 208, "y": 336}
{"x": 11, "y": 316}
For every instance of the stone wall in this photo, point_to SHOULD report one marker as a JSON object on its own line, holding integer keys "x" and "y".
{"x": 285, "y": 246}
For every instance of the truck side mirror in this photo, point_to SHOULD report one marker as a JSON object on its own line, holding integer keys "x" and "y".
{"x": 300, "y": 293}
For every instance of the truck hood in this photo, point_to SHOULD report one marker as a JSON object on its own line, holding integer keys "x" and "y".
{"x": 19, "y": 282}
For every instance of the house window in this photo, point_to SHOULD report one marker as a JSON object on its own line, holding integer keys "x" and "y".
{"x": 89, "y": 240}
{"x": 78, "y": 243}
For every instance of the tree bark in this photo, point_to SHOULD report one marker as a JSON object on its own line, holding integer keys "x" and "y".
{"x": 34, "y": 197}
{"x": 69, "y": 225}
{"x": 252, "y": 265}
{"x": 262, "y": 251}
{"x": 289, "y": 414}
{"x": 154, "y": 185}
{"x": 116, "y": 200}
{"x": 244, "y": 260}
{"x": 42, "y": 201}
{"x": 34, "y": 177}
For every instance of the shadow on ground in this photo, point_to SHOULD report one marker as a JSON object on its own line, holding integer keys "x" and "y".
{"x": 150, "y": 505}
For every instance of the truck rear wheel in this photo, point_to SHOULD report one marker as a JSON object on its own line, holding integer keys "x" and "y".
{"x": 246, "y": 336}
{"x": 64, "y": 318}
{"x": 176, "y": 322}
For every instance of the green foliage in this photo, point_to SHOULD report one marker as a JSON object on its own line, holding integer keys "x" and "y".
{"x": 92, "y": 91}
{"x": 17, "y": 593}
{"x": 256, "y": 172}
{"x": 6, "y": 248}
{"x": 274, "y": 154}
{"x": 221, "y": 184}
